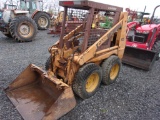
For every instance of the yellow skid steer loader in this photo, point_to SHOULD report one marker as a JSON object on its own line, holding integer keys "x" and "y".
{"x": 78, "y": 63}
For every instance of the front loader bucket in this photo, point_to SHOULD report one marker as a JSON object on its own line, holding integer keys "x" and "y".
{"x": 39, "y": 97}
{"x": 140, "y": 58}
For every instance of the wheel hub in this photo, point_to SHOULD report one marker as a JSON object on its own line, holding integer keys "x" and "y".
{"x": 92, "y": 82}
{"x": 114, "y": 71}
{"x": 24, "y": 29}
{"x": 43, "y": 22}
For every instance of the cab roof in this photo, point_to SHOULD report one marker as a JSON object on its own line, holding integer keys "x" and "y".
{"x": 87, "y": 4}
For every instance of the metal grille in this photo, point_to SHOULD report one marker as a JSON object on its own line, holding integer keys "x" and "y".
{"x": 141, "y": 38}
{"x": 102, "y": 22}
{"x": 75, "y": 18}
{"x": 76, "y": 14}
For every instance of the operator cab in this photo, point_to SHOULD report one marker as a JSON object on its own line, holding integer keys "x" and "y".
{"x": 31, "y": 5}
{"x": 10, "y": 6}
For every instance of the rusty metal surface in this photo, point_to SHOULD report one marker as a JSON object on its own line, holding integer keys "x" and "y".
{"x": 73, "y": 19}
{"x": 92, "y": 30}
{"x": 85, "y": 4}
{"x": 71, "y": 25}
{"x": 87, "y": 29}
{"x": 38, "y": 97}
{"x": 139, "y": 58}
{"x": 63, "y": 28}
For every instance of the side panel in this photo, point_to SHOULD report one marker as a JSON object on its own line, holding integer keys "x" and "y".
{"x": 6, "y": 16}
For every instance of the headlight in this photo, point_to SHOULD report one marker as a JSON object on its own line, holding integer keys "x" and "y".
{"x": 138, "y": 31}
{"x": 145, "y": 32}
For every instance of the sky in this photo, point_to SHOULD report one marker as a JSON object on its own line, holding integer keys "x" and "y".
{"x": 132, "y": 4}
{"x": 135, "y": 4}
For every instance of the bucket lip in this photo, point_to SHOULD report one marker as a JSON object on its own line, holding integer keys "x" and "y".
{"x": 153, "y": 55}
{"x": 142, "y": 49}
{"x": 44, "y": 74}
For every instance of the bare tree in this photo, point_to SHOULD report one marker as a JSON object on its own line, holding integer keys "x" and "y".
{"x": 52, "y": 6}
{"x": 2, "y": 2}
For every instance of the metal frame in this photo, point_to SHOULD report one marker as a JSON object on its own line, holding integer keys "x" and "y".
{"x": 91, "y": 6}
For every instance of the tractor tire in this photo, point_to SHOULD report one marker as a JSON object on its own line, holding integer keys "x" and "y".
{"x": 87, "y": 80}
{"x": 7, "y": 35}
{"x": 156, "y": 48}
{"x": 42, "y": 20}
{"x": 23, "y": 29}
{"x": 47, "y": 64}
{"x": 110, "y": 69}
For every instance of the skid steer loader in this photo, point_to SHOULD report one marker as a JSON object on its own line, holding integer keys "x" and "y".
{"x": 78, "y": 63}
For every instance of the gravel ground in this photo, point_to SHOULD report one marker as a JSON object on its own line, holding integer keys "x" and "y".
{"x": 135, "y": 95}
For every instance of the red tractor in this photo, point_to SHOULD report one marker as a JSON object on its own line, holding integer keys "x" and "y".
{"x": 142, "y": 44}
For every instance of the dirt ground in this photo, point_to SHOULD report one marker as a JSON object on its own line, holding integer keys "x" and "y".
{"x": 134, "y": 96}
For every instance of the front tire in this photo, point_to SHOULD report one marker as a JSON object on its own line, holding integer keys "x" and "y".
{"x": 156, "y": 48}
{"x": 23, "y": 29}
{"x": 42, "y": 20}
{"x": 7, "y": 35}
{"x": 87, "y": 80}
{"x": 110, "y": 69}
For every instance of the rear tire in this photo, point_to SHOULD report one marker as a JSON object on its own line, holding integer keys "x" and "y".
{"x": 156, "y": 48}
{"x": 87, "y": 80}
{"x": 42, "y": 20}
{"x": 23, "y": 29}
{"x": 110, "y": 69}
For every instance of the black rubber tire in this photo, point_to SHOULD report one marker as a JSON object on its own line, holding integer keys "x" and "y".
{"x": 42, "y": 14}
{"x": 14, "y": 28}
{"x": 156, "y": 48}
{"x": 79, "y": 83}
{"x": 48, "y": 63}
{"x": 106, "y": 69}
{"x": 7, "y": 35}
